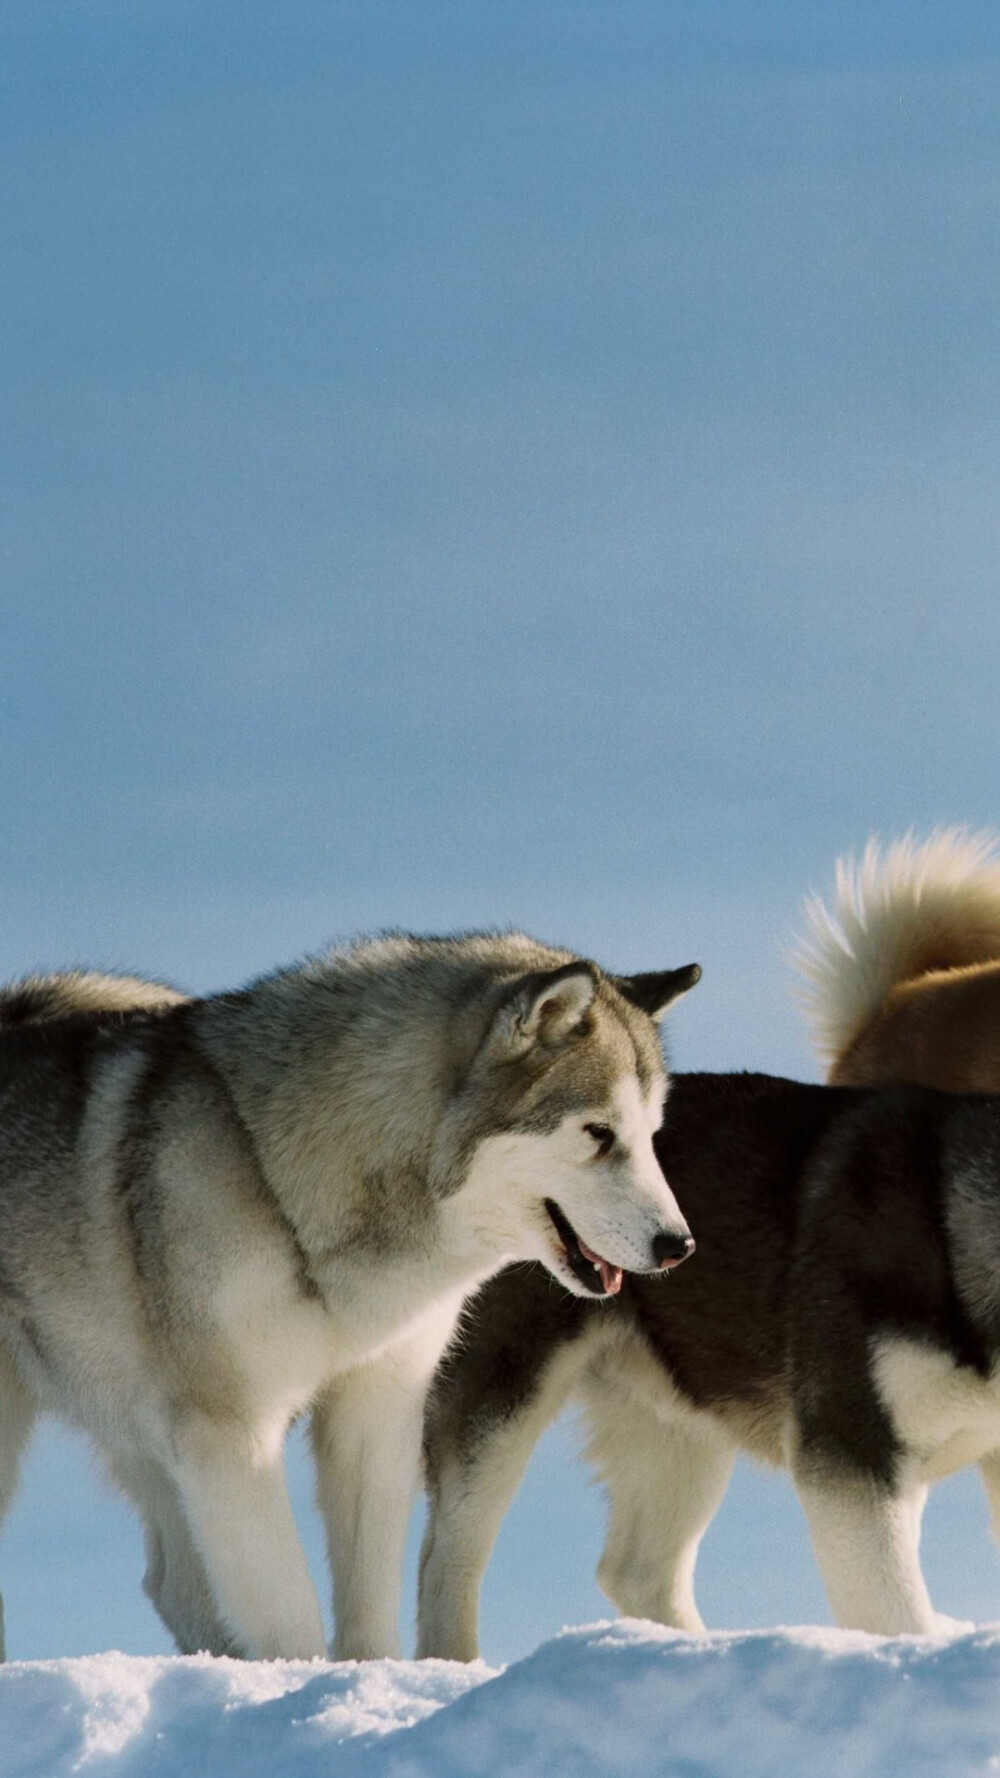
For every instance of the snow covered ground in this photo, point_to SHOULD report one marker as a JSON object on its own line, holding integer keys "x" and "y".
{"x": 621, "y": 1700}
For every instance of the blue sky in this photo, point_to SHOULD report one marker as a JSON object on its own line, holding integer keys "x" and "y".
{"x": 474, "y": 464}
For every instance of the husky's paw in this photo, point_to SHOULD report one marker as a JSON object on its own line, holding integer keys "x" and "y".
{"x": 944, "y": 1625}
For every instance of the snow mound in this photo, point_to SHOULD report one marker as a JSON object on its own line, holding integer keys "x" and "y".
{"x": 622, "y": 1700}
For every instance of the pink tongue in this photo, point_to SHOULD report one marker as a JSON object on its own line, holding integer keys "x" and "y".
{"x": 611, "y": 1276}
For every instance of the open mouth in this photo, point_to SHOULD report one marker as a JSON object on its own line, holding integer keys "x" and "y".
{"x": 595, "y": 1274}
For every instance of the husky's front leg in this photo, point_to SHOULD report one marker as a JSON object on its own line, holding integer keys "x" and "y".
{"x": 867, "y": 1543}
{"x": 665, "y": 1480}
{"x": 176, "y": 1581}
{"x": 17, "y": 1416}
{"x": 367, "y": 1432}
{"x": 237, "y": 1504}
{"x": 475, "y": 1463}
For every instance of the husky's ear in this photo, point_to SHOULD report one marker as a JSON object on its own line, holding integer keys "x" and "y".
{"x": 546, "y": 1006}
{"x": 654, "y": 992}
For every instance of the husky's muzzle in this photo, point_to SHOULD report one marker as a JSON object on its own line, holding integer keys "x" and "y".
{"x": 600, "y": 1275}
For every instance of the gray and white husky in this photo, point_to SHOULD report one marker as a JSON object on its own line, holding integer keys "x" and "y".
{"x": 216, "y": 1214}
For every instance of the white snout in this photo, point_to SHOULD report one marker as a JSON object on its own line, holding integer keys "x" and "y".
{"x": 622, "y": 1203}
{"x": 619, "y": 1209}
{"x": 566, "y": 1199}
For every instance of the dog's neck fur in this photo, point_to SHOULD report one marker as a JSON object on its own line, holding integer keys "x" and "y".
{"x": 381, "y": 1124}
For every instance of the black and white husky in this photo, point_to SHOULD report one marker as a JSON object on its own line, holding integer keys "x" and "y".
{"x": 841, "y": 1316}
{"x": 217, "y": 1214}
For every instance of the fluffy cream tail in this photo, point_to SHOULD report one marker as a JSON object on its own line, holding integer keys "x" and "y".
{"x": 896, "y": 913}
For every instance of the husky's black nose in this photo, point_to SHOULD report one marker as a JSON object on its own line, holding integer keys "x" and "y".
{"x": 669, "y": 1250}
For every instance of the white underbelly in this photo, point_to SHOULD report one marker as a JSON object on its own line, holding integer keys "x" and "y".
{"x": 942, "y": 1413}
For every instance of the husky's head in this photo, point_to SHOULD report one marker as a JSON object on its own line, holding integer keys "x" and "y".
{"x": 560, "y": 1105}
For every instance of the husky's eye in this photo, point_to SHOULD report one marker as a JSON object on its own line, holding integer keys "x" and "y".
{"x": 603, "y": 1135}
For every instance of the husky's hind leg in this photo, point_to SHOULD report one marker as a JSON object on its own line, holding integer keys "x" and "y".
{"x": 665, "y": 1480}
{"x": 989, "y": 1469}
{"x": 473, "y": 1472}
{"x": 866, "y": 1539}
{"x": 17, "y": 1416}
{"x": 176, "y": 1581}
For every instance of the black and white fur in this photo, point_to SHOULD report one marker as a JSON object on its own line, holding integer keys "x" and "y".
{"x": 841, "y": 1317}
{"x": 218, "y": 1214}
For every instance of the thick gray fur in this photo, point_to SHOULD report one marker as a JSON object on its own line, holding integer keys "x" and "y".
{"x": 217, "y": 1214}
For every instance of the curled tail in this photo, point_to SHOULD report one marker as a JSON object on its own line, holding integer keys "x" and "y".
{"x": 896, "y": 913}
